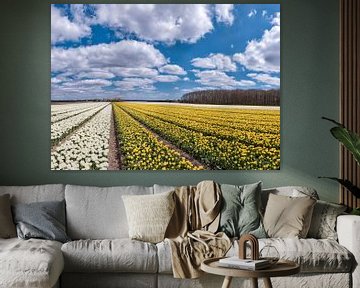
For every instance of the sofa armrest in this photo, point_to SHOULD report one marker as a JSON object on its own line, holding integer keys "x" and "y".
{"x": 348, "y": 230}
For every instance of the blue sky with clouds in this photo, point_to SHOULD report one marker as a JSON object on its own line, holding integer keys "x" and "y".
{"x": 162, "y": 51}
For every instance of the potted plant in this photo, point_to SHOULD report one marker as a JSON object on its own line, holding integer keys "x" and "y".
{"x": 351, "y": 141}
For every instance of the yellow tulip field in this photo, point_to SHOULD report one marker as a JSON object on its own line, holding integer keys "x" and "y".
{"x": 195, "y": 137}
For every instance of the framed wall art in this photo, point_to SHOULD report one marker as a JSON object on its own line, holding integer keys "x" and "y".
{"x": 165, "y": 87}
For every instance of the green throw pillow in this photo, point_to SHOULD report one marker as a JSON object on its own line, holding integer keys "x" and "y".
{"x": 240, "y": 213}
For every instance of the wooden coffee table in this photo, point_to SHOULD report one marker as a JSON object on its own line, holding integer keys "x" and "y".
{"x": 281, "y": 268}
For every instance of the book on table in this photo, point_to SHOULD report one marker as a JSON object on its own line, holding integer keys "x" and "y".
{"x": 236, "y": 262}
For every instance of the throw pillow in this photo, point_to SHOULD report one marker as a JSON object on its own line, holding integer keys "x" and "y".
{"x": 43, "y": 220}
{"x": 7, "y": 227}
{"x": 323, "y": 222}
{"x": 149, "y": 215}
{"x": 288, "y": 217}
{"x": 240, "y": 213}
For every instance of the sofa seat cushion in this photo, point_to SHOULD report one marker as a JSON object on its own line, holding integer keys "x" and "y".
{"x": 115, "y": 255}
{"x": 30, "y": 263}
{"x": 313, "y": 255}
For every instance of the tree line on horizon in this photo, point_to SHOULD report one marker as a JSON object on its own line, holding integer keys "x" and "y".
{"x": 233, "y": 97}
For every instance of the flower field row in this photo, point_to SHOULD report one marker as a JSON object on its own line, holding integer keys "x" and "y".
{"x": 55, "y": 117}
{"x": 261, "y": 129}
{"x": 63, "y": 108}
{"x": 140, "y": 149}
{"x": 61, "y": 129}
{"x": 88, "y": 147}
{"x": 217, "y": 146}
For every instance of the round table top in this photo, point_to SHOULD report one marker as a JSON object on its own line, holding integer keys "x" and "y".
{"x": 281, "y": 268}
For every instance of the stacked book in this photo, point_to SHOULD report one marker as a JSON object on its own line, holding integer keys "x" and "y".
{"x": 248, "y": 264}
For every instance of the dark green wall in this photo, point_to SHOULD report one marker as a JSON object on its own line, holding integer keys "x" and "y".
{"x": 309, "y": 90}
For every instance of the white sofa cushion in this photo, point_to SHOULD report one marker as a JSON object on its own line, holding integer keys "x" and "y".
{"x": 98, "y": 213}
{"x": 30, "y": 263}
{"x": 117, "y": 255}
{"x": 313, "y": 255}
{"x": 36, "y": 193}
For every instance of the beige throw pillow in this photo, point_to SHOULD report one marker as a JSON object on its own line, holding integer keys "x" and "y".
{"x": 7, "y": 226}
{"x": 288, "y": 217}
{"x": 149, "y": 215}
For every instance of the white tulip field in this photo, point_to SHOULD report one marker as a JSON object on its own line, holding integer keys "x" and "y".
{"x": 80, "y": 141}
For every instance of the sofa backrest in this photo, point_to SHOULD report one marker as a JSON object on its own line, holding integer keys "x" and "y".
{"x": 98, "y": 213}
{"x": 35, "y": 193}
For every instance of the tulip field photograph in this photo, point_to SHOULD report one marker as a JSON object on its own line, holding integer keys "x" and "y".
{"x": 165, "y": 87}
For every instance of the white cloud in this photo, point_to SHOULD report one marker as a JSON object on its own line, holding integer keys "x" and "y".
{"x": 215, "y": 61}
{"x": 55, "y": 80}
{"x": 135, "y": 83}
{"x": 252, "y": 13}
{"x": 215, "y": 78}
{"x": 263, "y": 13}
{"x": 275, "y": 20}
{"x": 186, "y": 79}
{"x": 172, "y": 69}
{"x": 127, "y": 53}
{"x": 224, "y": 13}
{"x": 166, "y": 78}
{"x": 265, "y": 78}
{"x": 62, "y": 29}
{"x": 88, "y": 82}
{"x": 264, "y": 54}
{"x": 134, "y": 72}
{"x": 102, "y": 74}
{"x": 158, "y": 22}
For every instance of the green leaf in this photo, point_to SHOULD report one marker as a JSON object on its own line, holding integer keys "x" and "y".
{"x": 348, "y": 138}
{"x": 347, "y": 184}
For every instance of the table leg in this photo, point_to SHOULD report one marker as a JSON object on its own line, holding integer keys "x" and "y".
{"x": 227, "y": 282}
{"x": 267, "y": 283}
{"x": 254, "y": 282}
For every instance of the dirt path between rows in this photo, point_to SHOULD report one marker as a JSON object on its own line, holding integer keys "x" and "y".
{"x": 114, "y": 152}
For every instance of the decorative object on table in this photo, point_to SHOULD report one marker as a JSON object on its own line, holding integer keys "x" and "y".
{"x": 351, "y": 142}
{"x": 270, "y": 253}
{"x": 241, "y": 261}
{"x": 254, "y": 246}
{"x": 247, "y": 264}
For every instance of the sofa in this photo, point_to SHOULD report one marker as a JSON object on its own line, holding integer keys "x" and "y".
{"x": 100, "y": 253}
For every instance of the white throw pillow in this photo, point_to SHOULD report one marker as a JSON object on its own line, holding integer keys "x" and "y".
{"x": 288, "y": 217}
{"x": 149, "y": 215}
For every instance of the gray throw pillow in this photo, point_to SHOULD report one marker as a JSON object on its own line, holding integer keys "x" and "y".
{"x": 323, "y": 222}
{"x": 43, "y": 220}
{"x": 7, "y": 227}
{"x": 240, "y": 213}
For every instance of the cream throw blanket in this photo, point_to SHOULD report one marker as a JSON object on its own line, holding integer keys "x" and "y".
{"x": 191, "y": 231}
